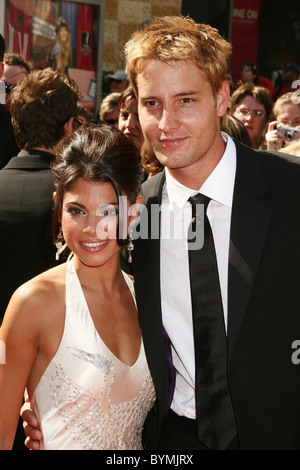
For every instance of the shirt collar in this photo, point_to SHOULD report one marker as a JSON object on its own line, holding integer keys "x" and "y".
{"x": 218, "y": 186}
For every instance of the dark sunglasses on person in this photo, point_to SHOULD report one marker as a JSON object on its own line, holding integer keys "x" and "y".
{"x": 8, "y": 87}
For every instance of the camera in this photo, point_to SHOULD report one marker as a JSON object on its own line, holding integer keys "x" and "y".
{"x": 289, "y": 133}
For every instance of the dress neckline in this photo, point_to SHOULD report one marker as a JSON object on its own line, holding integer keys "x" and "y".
{"x": 128, "y": 280}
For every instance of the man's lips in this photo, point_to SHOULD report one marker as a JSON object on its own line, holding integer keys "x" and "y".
{"x": 172, "y": 142}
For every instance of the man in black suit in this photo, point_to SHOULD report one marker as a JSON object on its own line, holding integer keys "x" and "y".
{"x": 8, "y": 145}
{"x": 177, "y": 69}
{"x": 42, "y": 107}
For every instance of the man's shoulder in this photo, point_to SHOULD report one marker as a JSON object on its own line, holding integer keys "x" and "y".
{"x": 4, "y": 113}
{"x": 268, "y": 158}
{"x": 152, "y": 187}
{"x": 260, "y": 170}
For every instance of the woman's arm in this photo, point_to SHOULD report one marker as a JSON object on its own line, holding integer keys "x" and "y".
{"x": 19, "y": 336}
{"x": 59, "y": 62}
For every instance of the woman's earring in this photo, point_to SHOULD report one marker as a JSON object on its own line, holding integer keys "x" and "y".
{"x": 130, "y": 245}
{"x": 60, "y": 247}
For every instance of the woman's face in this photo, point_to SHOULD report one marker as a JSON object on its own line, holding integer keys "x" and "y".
{"x": 252, "y": 114}
{"x": 63, "y": 33}
{"x": 112, "y": 118}
{"x": 289, "y": 115}
{"x": 247, "y": 74}
{"x": 129, "y": 122}
{"x": 90, "y": 221}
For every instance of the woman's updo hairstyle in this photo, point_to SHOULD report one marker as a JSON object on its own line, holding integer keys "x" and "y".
{"x": 97, "y": 152}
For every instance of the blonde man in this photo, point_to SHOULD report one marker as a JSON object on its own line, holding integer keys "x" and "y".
{"x": 177, "y": 69}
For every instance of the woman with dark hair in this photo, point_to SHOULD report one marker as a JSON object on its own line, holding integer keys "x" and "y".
{"x": 71, "y": 335}
{"x": 250, "y": 74}
{"x": 252, "y": 105}
{"x": 236, "y": 129}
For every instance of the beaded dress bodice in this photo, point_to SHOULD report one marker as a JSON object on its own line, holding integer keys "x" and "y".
{"x": 87, "y": 398}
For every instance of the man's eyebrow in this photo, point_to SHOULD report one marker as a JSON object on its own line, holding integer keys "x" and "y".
{"x": 177, "y": 95}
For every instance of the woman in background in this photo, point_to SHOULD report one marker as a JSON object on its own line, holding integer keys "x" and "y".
{"x": 61, "y": 53}
{"x": 252, "y": 105}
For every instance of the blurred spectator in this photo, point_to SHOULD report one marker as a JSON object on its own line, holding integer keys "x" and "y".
{"x": 15, "y": 70}
{"x": 150, "y": 163}
{"x": 250, "y": 74}
{"x": 230, "y": 78}
{"x": 252, "y": 106}
{"x": 290, "y": 73}
{"x": 129, "y": 122}
{"x": 8, "y": 145}
{"x": 118, "y": 81}
{"x": 287, "y": 114}
{"x": 109, "y": 109}
{"x": 61, "y": 52}
{"x": 82, "y": 116}
{"x": 236, "y": 129}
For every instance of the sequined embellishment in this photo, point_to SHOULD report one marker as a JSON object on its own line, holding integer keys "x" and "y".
{"x": 96, "y": 359}
{"x": 96, "y": 425}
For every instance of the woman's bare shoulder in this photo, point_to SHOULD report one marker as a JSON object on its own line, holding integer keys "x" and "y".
{"x": 41, "y": 293}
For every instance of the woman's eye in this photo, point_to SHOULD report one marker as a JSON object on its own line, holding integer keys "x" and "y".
{"x": 75, "y": 211}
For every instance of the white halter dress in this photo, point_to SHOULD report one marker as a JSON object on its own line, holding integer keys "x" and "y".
{"x": 87, "y": 398}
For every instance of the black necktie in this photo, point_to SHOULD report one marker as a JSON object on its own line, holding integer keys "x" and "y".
{"x": 215, "y": 419}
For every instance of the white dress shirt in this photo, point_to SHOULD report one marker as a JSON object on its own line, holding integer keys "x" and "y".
{"x": 174, "y": 266}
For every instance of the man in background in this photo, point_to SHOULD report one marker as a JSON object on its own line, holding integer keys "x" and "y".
{"x": 8, "y": 145}
{"x": 43, "y": 106}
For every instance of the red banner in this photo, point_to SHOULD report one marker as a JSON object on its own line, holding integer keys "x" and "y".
{"x": 85, "y": 37}
{"x": 19, "y": 27}
{"x": 244, "y": 33}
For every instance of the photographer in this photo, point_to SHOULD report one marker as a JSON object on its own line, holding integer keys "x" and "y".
{"x": 286, "y": 127}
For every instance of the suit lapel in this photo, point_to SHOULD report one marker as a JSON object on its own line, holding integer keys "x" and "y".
{"x": 146, "y": 271}
{"x": 249, "y": 225}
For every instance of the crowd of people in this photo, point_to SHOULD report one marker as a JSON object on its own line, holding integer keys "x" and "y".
{"x": 121, "y": 334}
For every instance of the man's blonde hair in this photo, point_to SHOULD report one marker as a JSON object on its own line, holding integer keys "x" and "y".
{"x": 174, "y": 38}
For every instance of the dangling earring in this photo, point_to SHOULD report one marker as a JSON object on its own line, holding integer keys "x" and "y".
{"x": 130, "y": 245}
{"x": 59, "y": 245}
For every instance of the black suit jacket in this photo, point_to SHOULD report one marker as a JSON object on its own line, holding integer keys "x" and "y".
{"x": 8, "y": 145}
{"x": 26, "y": 204}
{"x": 263, "y": 302}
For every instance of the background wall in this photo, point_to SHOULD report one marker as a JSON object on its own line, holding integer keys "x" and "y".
{"x": 122, "y": 18}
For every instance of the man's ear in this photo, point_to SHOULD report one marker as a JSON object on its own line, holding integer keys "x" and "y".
{"x": 54, "y": 196}
{"x": 68, "y": 128}
{"x": 223, "y": 98}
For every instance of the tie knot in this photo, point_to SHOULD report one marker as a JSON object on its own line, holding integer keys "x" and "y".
{"x": 199, "y": 199}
